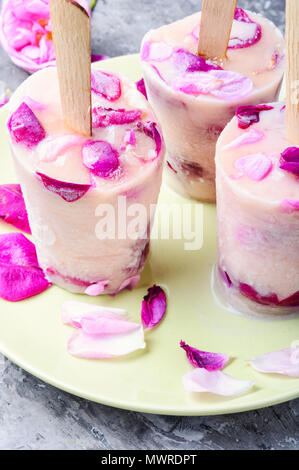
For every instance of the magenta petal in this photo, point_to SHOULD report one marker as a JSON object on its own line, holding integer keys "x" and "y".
{"x": 256, "y": 166}
{"x": 140, "y": 85}
{"x": 105, "y": 85}
{"x": 100, "y": 158}
{"x": 185, "y": 61}
{"x": 104, "y": 117}
{"x": 248, "y": 115}
{"x": 69, "y": 192}
{"x": 254, "y": 31}
{"x": 25, "y": 128}
{"x": 290, "y": 160}
{"x": 20, "y": 275}
{"x": 216, "y": 382}
{"x": 150, "y": 129}
{"x": 12, "y": 207}
{"x": 202, "y": 359}
{"x": 153, "y": 307}
{"x": 285, "y": 362}
{"x": 289, "y": 206}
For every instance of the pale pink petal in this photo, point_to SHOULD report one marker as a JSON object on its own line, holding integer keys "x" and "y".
{"x": 250, "y": 137}
{"x": 96, "y": 289}
{"x": 285, "y": 362}
{"x": 103, "y": 326}
{"x": 216, "y": 382}
{"x": 129, "y": 283}
{"x": 289, "y": 206}
{"x": 99, "y": 347}
{"x": 53, "y": 147}
{"x": 255, "y": 166}
{"x": 73, "y": 312}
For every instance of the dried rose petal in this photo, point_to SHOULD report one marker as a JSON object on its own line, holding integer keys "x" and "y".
{"x": 150, "y": 129}
{"x": 100, "y": 158}
{"x": 290, "y": 160}
{"x": 96, "y": 289}
{"x": 12, "y": 207}
{"x": 216, "y": 382}
{"x": 156, "y": 51}
{"x": 202, "y": 359}
{"x": 248, "y": 115}
{"x": 246, "y": 138}
{"x": 105, "y": 85}
{"x": 20, "y": 274}
{"x": 241, "y": 35}
{"x": 74, "y": 312}
{"x": 256, "y": 166}
{"x": 69, "y": 192}
{"x": 285, "y": 362}
{"x": 24, "y": 127}
{"x": 140, "y": 85}
{"x": 153, "y": 307}
{"x": 104, "y": 117}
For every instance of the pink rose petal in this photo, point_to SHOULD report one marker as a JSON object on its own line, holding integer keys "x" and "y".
{"x": 20, "y": 274}
{"x": 215, "y": 382}
{"x": 69, "y": 192}
{"x": 102, "y": 326}
{"x": 153, "y": 307}
{"x": 140, "y": 85}
{"x": 25, "y": 128}
{"x": 100, "y": 158}
{"x": 248, "y": 115}
{"x": 202, "y": 359}
{"x": 52, "y": 147}
{"x": 185, "y": 61}
{"x": 105, "y": 85}
{"x": 150, "y": 130}
{"x": 104, "y": 117}
{"x": 250, "y": 137}
{"x": 256, "y": 166}
{"x": 245, "y": 32}
{"x": 96, "y": 289}
{"x": 289, "y": 206}
{"x": 12, "y": 207}
{"x": 129, "y": 283}
{"x": 285, "y": 362}
{"x": 290, "y": 160}
{"x": 74, "y": 312}
{"x": 100, "y": 347}
{"x": 156, "y": 51}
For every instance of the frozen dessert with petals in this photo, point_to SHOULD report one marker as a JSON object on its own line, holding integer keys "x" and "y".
{"x": 81, "y": 193}
{"x": 194, "y": 98}
{"x": 257, "y": 179}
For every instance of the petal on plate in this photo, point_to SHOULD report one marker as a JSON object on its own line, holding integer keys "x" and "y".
{"x": 73, "y": 312}
{"x": 107, "y": 326}
{"x": 12, "y": 207}
{"x": 153, "y": 307}
{"x": 285, "y": 362}
{"x": 203, "y": 359}
{"x": 215, "y": 382}
{"x": 100, "y": 347}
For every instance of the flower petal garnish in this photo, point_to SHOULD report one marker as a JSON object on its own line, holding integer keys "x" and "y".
{"x": 74, "y": 312}
{"x": 248, "y": 115}
{"x": 246, "y": 138}
{"x": 285, "y": 362}
{"x": 140, "y": 85}
{"x": 25, "y": 128}
{"x": 96, "y": 289}
{"x": 256, "y": 166}
{"x": 289, "y": 206}
{"x": 69, "y": 192}
{"x": 104, "y": 117}
{"x": 100, "y": 158}
{"x": 202, "y": 359}
{"x": 53, "y": 147}
{"x": 12, "y": 207}
{"x": 290, "y": 160}
{"x": 216, "y": 382}
{"x": 20, "y": 274}
{"x": 105, "y": 85}
{"x": 153, "y": 307}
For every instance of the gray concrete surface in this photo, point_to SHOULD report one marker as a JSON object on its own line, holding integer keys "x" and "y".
{"x": 34, "y": 415}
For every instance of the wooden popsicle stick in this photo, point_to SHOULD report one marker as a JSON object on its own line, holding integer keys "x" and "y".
{"x": 215, "y": 28}
{"x": 71, "y": 36}
{"x": 292, "y": 76}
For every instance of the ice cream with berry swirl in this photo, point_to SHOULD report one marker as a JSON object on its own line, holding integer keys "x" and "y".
{"x": 82, "y": 193}
{"x": 194, "y": 99}
{"x": 257, "y": 179}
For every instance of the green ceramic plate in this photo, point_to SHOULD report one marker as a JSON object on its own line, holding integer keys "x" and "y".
{"x": 33, "y": 336}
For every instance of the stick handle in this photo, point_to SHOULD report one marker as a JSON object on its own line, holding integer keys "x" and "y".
{"x": 292, "y": 75}
{"x": 72, "y": 42}
{"x": 215, "y": 27}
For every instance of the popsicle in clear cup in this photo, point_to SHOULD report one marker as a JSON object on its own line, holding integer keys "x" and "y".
{"x": 90, "y": 200}
{"x": 257, "y": 179}
{"x": 194, "y": 98}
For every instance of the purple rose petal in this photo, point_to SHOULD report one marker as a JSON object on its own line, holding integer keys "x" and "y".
{"x": 25, "y": 128}
{"x": 98, "y": 57}
{"x": 105, "y": 85}
{"x": 20, "y": 274}
{"x": 202, "y": 359}
{"x": 248, "y": 115}
{"x": 100, "y": 158}
{"x": 153, "y": 307}
{"x": 69, "y": 192}
{"x": 12, "y": 207}
{"x": 140, "y": 85}
{"x": 150, "y": 130}
{"x": 104, "y": 117}
{"x": 290, "y": 160}
{"x": 254, "y": 33}
{"x": 185, "y": 61}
